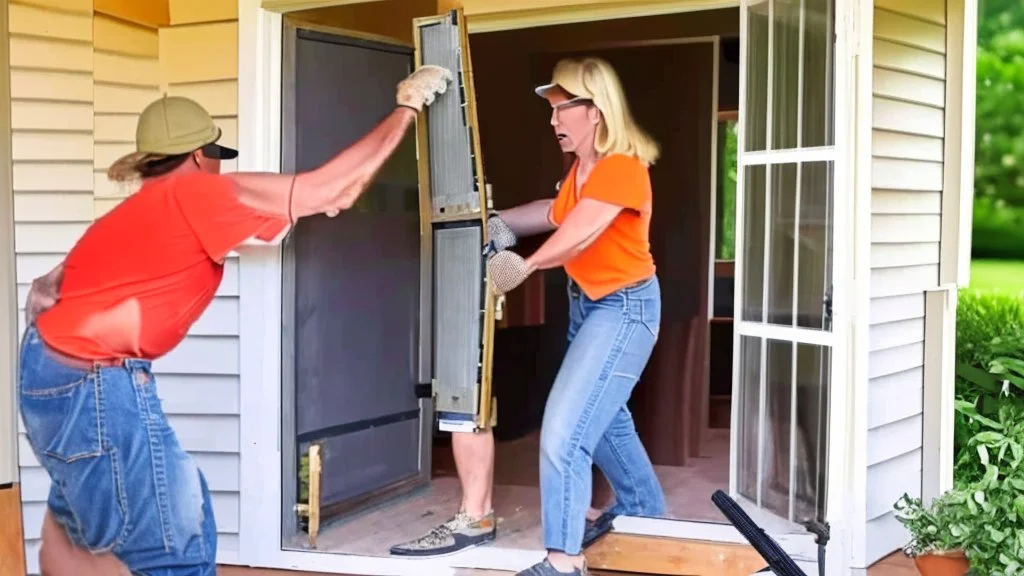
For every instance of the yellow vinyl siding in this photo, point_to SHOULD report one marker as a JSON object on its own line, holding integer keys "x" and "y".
{"x": 52, "y": 152}
{"x": 126, "y": 78}
{"x": 908, "y": 121}
{"x": 199, "y": 59}
{"x": 79, "y": 82}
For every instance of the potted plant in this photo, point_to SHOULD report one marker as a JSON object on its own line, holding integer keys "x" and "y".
{"x": 938, "y": 532}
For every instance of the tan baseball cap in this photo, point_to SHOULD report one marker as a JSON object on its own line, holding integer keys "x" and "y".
{"x": 171, "y": 126}
{"x": 177, "y": 125}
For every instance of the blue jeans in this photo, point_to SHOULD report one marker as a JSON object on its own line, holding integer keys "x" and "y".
{"x": 586, "y": 421}
{"x": 120, "y": 481}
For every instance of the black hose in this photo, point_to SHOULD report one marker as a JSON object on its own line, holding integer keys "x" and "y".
{"x": 779, "y": 562}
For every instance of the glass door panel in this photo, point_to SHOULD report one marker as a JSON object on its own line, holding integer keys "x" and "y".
{"x": 784, "y": 257}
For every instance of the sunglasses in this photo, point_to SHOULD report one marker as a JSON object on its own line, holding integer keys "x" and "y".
{"x": 571, "y": 102}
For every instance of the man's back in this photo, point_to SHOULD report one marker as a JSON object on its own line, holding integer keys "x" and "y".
{"x": 139, "y": 298}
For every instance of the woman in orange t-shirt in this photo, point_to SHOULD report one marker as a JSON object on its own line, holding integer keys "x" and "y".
{"x": 601, "y": 218}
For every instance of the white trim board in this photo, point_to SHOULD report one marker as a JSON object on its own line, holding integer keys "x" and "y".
{"x": 9, "y": 471}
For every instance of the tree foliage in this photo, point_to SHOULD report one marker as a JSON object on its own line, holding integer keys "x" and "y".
{"x": 999, "y": 155}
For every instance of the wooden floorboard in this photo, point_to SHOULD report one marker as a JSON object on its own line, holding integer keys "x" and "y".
{"x": 895, "y": 565}
{"x": 12, "y": 542}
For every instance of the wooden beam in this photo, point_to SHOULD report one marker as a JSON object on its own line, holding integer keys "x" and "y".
{"x": 149, "y": 13}
{"x": 12, "y": 539}
{"x": 672, "y": 557}
{"x": 494, "y": 15}
{"x": 296, "y": 5}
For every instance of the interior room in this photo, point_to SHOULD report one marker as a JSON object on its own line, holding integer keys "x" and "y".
{"x": 680, "y": 73}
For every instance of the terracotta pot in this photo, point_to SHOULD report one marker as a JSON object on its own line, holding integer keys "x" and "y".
{"x": 951, "y": 563}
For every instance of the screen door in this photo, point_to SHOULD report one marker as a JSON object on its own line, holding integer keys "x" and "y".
{"x": 355, "y": 363}
{"x": 449, "y": 146}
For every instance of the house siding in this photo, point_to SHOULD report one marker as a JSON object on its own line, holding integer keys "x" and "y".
{"x": 908, "y": 121}
{"x": 199, "y": 60}
{"x": 79, "y": 82}
{"x": 52, "y": 152}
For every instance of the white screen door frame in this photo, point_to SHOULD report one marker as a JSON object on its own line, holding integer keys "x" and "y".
{"x": 792, "y": 203}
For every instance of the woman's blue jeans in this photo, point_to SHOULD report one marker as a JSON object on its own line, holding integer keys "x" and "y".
{"x": 586, "y": 420}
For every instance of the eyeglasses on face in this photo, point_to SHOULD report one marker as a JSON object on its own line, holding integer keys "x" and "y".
{"x": 570, "y": 103}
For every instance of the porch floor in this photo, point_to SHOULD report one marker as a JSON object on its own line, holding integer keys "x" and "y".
{"x": 895, "y": 565}
{"x": 516, "y": 501}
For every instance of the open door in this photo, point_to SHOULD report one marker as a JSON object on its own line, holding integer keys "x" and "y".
{"x": 356, "y": 356}
{"x": 784, "y": 337}
{"x": 457, "y": 201}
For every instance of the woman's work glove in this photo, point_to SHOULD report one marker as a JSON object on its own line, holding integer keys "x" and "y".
{"x": 422, "y": 86}
{"x": 506, "y": 270}
{"x": 500, "y": 236}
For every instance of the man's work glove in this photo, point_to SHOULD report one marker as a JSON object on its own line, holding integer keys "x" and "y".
{"x": 500, "y": 236}
{"x": 506, "y": 270}
{"x": 422, "y": 86}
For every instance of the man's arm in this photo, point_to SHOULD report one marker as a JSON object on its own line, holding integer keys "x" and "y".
{"x": 338, "y": 183}
{"x": 44, "y": 293}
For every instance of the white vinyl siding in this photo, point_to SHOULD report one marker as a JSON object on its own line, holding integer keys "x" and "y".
{"x": 79, "y": 81}
{"x": 907, "y": 181}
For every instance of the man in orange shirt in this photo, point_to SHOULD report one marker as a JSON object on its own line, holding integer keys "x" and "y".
{"x": 125, "y": 497}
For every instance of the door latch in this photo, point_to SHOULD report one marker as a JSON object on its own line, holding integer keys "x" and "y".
{"x": 827, "y": 305}
{"x": 499, "y": 308}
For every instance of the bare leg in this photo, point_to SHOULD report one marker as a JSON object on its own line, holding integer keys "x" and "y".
{"x": 59, "y": 557}
{"x": 474, "y": 460}
{"x": 474, "y": 523}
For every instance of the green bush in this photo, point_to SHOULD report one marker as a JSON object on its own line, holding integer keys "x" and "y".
{"x": 993, "y": 520}
{"x": 989, "y": 366}
{"x": 984, "y": 319}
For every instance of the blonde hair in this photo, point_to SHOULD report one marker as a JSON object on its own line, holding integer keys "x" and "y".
{"x": 618, "y": 132}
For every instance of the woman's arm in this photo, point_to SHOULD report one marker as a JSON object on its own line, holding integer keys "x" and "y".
{"x": 584, "y": 223}
{"x": 530, "y": 218}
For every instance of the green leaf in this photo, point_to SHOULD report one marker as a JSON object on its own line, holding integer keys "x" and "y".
{"x": 988, "y": 437}
{"x": 996, "y": 535}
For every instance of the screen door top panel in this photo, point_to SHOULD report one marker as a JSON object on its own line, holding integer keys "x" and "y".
{"x": 453, "y": 182}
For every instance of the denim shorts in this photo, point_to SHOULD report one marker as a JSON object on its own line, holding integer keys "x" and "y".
{"x": 120, "y": 481}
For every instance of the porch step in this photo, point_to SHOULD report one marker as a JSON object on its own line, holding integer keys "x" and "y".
{"x": 635, "y": 554}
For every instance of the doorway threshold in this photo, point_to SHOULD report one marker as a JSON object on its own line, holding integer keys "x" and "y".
{"x": 656, "y": 546}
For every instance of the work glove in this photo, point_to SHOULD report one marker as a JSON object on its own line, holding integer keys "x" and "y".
{"x": 422, "y": 86}
{"x": 499, "y": 235}
{"x": 506, "y": 270}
